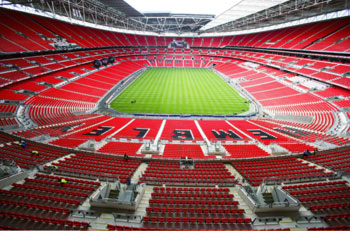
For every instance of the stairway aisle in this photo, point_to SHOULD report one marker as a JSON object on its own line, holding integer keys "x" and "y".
{"x": 235, "y": 173}
{"x": 141, "y": 209}
{"x": 138, "y": 173}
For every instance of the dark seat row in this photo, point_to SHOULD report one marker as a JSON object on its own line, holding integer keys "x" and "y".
{"x": 197, "y": 220}
{"x": 53, "y": 221}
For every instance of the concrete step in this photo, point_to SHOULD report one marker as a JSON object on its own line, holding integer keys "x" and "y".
{"x": 138, "y": 173}
{"x": 242, "y": 204}
{"x": 101, "y": 222}
{"x": 141, "y": 209}
{"x": 235, "y": 173}
{"x": 113, "y": 193}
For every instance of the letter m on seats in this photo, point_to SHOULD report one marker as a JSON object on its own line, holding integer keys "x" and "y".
{"x": 221, "y": 135}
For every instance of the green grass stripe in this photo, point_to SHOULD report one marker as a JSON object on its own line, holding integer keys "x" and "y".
{"x": 180, "y": 91}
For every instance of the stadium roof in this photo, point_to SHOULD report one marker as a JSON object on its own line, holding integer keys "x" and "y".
{"x": 187, "y": 17}
{"x": 182, "y": 6}
{"x": 123, "y": 7}
{"x": 240, "y": 9}
{"x": 200, "y": 16}
{"x": 218, "y": 12}
{"x": 223, "y": 11}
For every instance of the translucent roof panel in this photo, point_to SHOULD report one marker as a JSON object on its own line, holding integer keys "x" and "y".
{"x": 240, "y": 9}
{"x": 182, "y": 6}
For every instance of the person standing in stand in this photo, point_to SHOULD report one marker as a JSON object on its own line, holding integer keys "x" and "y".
{"x": 306, "y": 153}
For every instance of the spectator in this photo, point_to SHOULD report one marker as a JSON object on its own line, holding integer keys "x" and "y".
{"x": 306, "y": 153}
{"x": 126, "y": 157}
{"x": 54, "y": 167}
{"x": 63, "y": 181}
{"x": 23, "y": 144}
{"x": 36, "y": 153}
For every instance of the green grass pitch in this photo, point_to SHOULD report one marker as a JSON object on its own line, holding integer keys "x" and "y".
{"x": 180, "y": 91}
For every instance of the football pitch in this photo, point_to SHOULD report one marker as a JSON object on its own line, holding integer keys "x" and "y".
{"x": 180, "y": 91}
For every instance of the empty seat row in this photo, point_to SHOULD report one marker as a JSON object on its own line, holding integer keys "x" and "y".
{"x": 317, "y": 184}
{"x": 6, "y": 227}
{"x": 192, "y": 195}
{"x": 128, "y": 228}
{"x": 53, "y": 221}
{"x": 324, "y": 198}
{"x": 191, "y": 190}
{"x": 341, "y": 227}
{"x": 204, "y": 211}
{"x": 330, "y": 206}
{"x": 52, "y": 190}
{"x": 35, "y": 206}
{"x": 192, "y": 202}
{"x": 40, "y": 197}
{"x": 323, "y": 190}
{"x": 197, "y": 220}
{"x": 338, "y": 216}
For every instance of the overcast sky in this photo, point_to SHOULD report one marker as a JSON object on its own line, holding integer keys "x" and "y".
{"x": 182, "y": 6}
